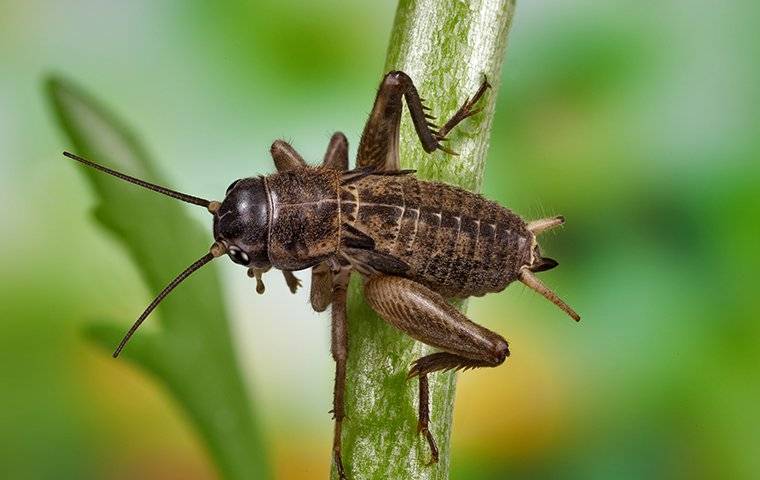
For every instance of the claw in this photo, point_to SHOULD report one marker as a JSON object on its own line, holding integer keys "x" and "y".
{"x": 339, "y": 465}
{"x": 447, "y": 150}
{"x": 431, "y": 442}
{"x": 474, "y": 112}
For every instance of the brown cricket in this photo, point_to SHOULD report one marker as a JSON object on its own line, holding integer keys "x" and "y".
{"x": 415, "y": 243}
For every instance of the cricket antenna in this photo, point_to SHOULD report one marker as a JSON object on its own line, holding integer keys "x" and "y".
{"x": 527, "y": 277}
{"x": 216, "y": 250}
{"x": 212, "y": 206}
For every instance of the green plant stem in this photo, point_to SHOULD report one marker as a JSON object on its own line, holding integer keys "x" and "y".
{"x": 447, "y": 48}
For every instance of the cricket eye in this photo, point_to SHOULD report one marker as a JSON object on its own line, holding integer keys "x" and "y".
{"x": 238, "y": 256}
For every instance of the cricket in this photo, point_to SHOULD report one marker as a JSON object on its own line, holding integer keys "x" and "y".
{"x": 415, "y": 243}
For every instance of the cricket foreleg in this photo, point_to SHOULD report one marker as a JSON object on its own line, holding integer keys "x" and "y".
{"x": 336, "y": 156}
{"x": 285, "y": 157}
{"x": 428, "y": 317}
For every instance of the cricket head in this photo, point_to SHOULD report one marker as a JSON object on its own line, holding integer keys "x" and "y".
{"x": 539, "y": 263}
{"x": 241, "y": 223}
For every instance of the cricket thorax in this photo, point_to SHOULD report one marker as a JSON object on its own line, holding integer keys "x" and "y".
{"x": 453, "y": 241}
{"x": 304, "y": 217}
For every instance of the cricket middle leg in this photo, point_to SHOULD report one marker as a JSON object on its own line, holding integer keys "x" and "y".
{"x": 379, "y": 145}
{"x": 285, "y": 156}
{"x": 340, "y": 355}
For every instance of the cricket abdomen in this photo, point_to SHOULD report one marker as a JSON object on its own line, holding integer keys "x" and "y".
{"x": 453, "y": 241}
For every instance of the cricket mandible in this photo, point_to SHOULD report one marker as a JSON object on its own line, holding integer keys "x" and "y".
{"x": 415, "y": 243}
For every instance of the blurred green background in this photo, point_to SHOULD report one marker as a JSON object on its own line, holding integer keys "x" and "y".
{"x": 636, "y": 120}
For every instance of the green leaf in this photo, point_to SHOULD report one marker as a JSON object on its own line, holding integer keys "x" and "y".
{"x": 191, "y": 354}
{"x": 447, "y": 48}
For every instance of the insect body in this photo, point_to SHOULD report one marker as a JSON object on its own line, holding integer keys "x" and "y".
{"x": 450, "y": 240}
{"x": 414, "y": 242}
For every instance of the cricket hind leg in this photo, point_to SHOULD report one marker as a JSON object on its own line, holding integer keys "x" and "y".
{"x": 426, "y": 316}
{"x": 441, "y": 361}
{"x": 380, "y": 140}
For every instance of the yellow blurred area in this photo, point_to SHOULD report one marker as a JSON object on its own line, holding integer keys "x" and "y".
{"x": 514, "y": 412}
